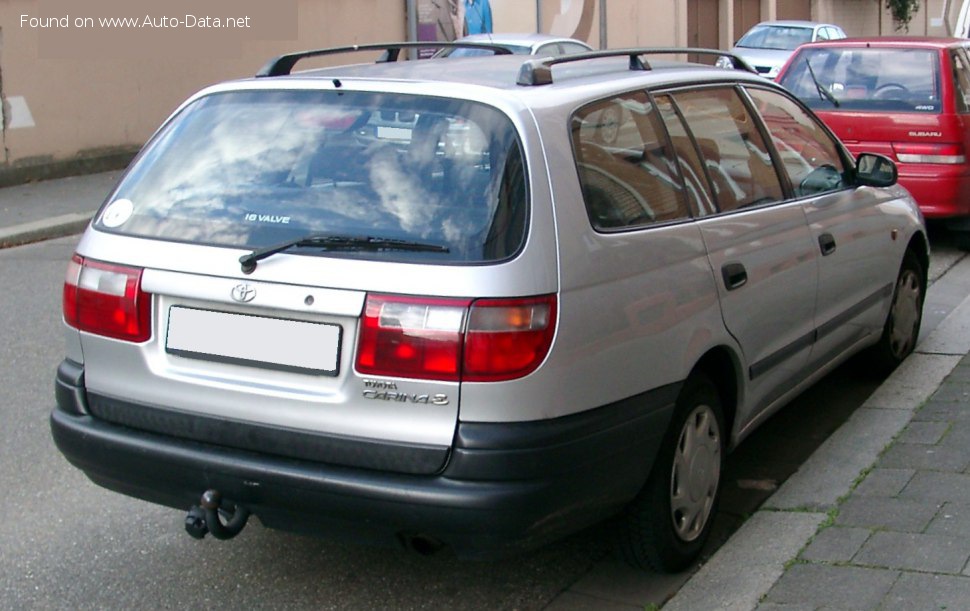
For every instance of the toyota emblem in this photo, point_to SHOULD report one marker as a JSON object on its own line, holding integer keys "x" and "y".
{"x": 243, "y": 293}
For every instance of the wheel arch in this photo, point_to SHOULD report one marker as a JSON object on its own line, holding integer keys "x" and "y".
{"x": 722, "y": 366}
{"x": 919, "y": 246}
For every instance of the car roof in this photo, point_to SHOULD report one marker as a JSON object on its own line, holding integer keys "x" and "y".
{"x": 795, "y": 23}
{"x": 525, "y": 39}
{"x": 927, "y": 42}
{"x": 503, "y": 71}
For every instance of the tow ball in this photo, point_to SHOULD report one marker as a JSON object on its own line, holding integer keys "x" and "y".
{"x": 204, "y": 518}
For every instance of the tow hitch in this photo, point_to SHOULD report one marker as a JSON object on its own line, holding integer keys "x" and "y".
{"x": 204, "y": 518}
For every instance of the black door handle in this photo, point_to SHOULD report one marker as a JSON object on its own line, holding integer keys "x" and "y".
{"x": 826, "y": 242}
{"x": 735, "y": 276}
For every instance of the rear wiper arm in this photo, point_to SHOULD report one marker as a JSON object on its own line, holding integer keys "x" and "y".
{"x": 823, "y": 93}
{"x": 371, "y": 243}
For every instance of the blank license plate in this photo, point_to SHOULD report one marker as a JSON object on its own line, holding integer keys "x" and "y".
{"x": 272, "y": 343}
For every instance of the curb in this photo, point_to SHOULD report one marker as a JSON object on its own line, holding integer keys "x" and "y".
{"x": 56, "y": 227}
{"x": 742, "y": 571}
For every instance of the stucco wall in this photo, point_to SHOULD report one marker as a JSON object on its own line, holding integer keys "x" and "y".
{"x": 109, "y": 93}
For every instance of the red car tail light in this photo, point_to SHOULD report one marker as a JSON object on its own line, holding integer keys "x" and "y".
{"x": 412, "y": 337}
{"x": 930, "y": 153}
{"x": 508, "y": 338}
{"x": 107, "y": 299}
{"x": 454, "y": 339}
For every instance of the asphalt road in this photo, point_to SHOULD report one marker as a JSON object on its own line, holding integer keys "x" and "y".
{"x": 69, "y": 544}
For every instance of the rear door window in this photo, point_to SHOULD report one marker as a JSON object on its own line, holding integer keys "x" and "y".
{"x": 877, "y": 79}
{"x": 627, "y": 173}
{"x": 256, "y": 168}
{"x": 735, "y": 156}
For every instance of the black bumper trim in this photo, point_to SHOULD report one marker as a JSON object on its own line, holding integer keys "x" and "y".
{"x": 287, "y": 443}
{"x": 507, "y": 487}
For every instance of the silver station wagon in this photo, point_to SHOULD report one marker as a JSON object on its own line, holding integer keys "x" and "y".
{"x": 477, "y": 303}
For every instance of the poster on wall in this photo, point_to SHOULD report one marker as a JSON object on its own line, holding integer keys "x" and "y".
{"x": 448, "y": 20}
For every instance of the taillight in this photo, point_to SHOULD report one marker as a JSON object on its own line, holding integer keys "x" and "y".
{"x": 507, "y": 338}
{"x": 454, "y": 339}
{"x": 929, "y": 153}
{"x": 107, "y": 299}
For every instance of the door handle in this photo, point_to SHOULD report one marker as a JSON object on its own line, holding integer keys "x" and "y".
{"x": 735, "y": 276}
{"x": 826, "y": 242}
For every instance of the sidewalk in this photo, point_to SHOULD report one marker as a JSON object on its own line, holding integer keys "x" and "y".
{"x": 879, "y": 516}
{"x": 52, "y": 208}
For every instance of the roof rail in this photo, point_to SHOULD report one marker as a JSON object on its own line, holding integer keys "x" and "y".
{"x": 282, "y": 65}
{"x": 539, "y": 71}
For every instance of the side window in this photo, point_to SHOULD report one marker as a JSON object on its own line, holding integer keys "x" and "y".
{"x": 809, "y": 155}
{"x": 961, "y": 81}
{"x": 731, "y": 146}
{"x": 569, "y": 48}
{"x": 822, "y": 34}
{"x": 691, "y": 167}
{"x": 627, "y": 175}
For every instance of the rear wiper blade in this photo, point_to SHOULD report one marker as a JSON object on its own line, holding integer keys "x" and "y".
{"x": 822, "y": 91}
{"x": 337, "y": 242}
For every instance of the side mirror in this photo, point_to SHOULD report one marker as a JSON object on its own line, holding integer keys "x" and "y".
{"x": 874, "y": 170}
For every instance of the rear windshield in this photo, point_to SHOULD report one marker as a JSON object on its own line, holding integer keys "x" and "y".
{"x": 888, "y": 80}
{"x": 258, "y": 168}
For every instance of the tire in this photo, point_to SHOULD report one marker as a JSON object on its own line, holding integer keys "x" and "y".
{"x": 901, "y": 330}
{"x": 667, "y": 525}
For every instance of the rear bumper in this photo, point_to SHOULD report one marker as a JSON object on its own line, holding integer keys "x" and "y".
{"x": 941, "y": 191}
{"x": 505, "y": 487}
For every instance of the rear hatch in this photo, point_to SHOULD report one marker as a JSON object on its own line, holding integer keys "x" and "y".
{"x": 299, "y": 273}
{"x": 887, "y": 100}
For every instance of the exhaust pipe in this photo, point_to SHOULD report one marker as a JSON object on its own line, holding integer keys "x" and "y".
{"x": 204, "y": 518}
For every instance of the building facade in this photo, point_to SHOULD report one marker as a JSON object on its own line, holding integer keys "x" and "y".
{"x": 83, "y": 88}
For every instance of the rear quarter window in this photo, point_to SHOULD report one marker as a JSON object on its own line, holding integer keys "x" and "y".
{"x": 255, "y": 168}
{"x": 870, "y": 79}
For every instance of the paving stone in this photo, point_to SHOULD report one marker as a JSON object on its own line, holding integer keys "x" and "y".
{"x": 953, "y": 391}
{"x": 943, "y": 411}
{"x": 835, "y": 544}
{"x": 953, "y": 519}
{"x": 938, "y": 486}
{"x": 921, "y": 591}
{"x": 785, "y": 607}
{"x": 920, "y": 456}
{"x": 923, "y": 432}
{"x": 915, "y": 552}
{"x": 844, "y": 587}
{"x": 909, "y": 515}
{"x": 884, "y": 482}
{"x": 957, "y": 434}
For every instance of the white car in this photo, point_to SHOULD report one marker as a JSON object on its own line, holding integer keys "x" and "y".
{"x": 519, "y": 44}
{"x": 768, "y": 45}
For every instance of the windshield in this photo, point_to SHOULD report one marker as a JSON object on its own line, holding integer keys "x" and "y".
{"x": 257, "y": 168}
{"x": 849, "y": 78}
{"x": 780, "y": 37}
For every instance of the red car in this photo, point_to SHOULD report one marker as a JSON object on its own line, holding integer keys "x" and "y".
{"x": 905, "y": 97}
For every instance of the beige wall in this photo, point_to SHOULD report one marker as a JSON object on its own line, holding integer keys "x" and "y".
{"x": 646, "y": 23}
{"x": 83, "y": 105}
{"x": 870, "y": 17}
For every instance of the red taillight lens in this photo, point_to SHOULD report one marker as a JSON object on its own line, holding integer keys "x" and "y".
{"x": 930, "y": 153}
{"x": 454, "y": 339}
{"x": 507, "y": 338}
{"x": 107, "y": 299}
{"x": 411, "y": 337}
